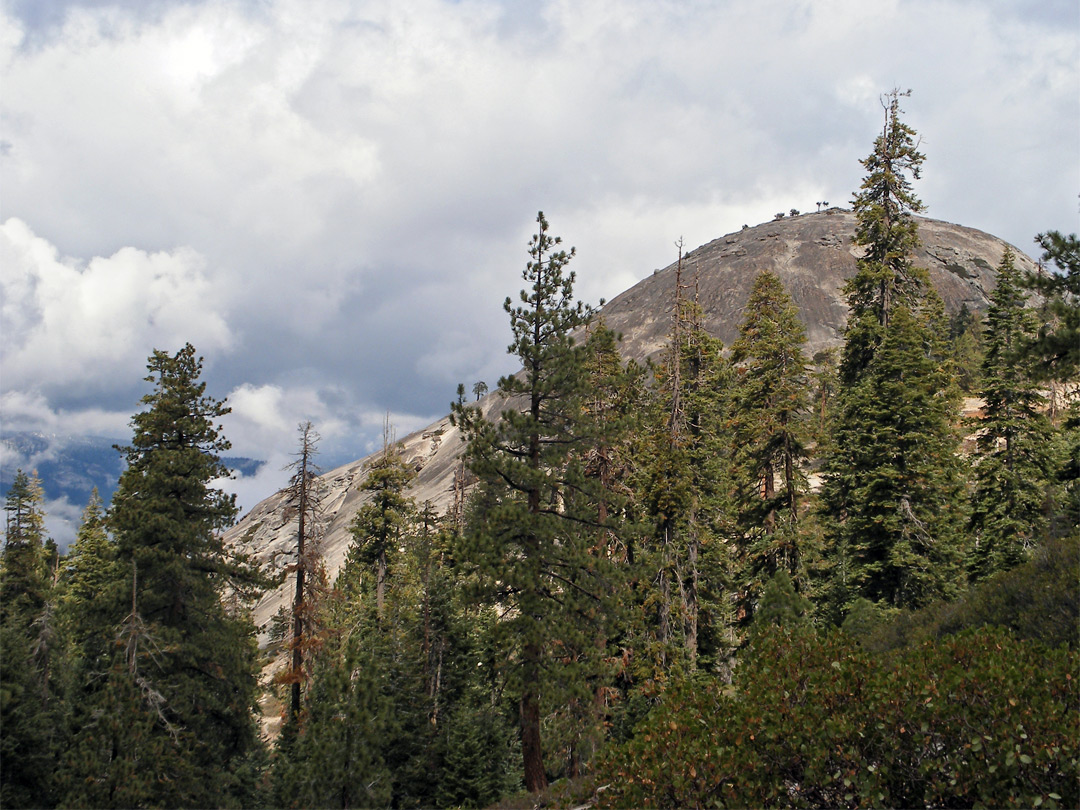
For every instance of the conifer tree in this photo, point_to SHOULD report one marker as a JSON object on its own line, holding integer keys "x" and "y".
{"x": 336, "y": 759}
{"x": 167, "y": 519}
{"x": 303, "y": 495}
{"x": 88, "y": 574}
{"x": 770, "y": 401}
{"x": 684, "y": 487}
{"x": 27, "y": 720}
{"x": 1057, "y": 346}
{"x": 127, "y": 750}
{"x": 382, "y": 522}
{"x": 780, "y": 605}
{"x": 24, "y": 565}
{"x": 536, "y": 517}
{"x": 966, "y": 336}
{"x": 1015, "y": 462}
{"x": 1056, "y": 349}
{"x": 892, "y": 477}
{"x": 886, "y": 275}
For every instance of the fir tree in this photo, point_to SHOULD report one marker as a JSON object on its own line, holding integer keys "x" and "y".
{"x": 127, "y": 748}
{"x": 1014, "y": 463}
{"x": 1056, "y": 349}
{"x": 770, "y": 401}
{"x": 1057, "y": 346}
{"x": 167, "y": 519}
{"x": 684, "y": 494}
{"x": 28, "y": 712}
{"x": 382, "y": 522}
{"x": 536, "y": 520}
{"x": 966, "y": 336}
{"x": 336, "y": 759}
{"x": 88, "y": 574}
{"x": 780, "y": 605}
{"x": 892, "y": 478}
{"x": 24, "y": 564}
{"x": 886, "y": 230}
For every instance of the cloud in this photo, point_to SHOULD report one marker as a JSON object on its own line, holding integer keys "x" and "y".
{"x": 267, "y": 416}
{"x": 330, "y": 200}
{"x": 31, "y": 412}
{"x": 81, "y": 327}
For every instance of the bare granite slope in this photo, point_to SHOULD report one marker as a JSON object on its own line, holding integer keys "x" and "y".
{"x": 812, "y": 254}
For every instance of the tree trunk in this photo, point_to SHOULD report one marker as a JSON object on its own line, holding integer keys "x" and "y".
{"x": 531, "y": 752}
{"x": 380, "y": 585}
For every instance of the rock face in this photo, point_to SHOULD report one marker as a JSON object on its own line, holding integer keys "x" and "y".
{"x": 812, "y": 254}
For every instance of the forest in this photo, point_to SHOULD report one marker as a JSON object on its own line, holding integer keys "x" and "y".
{"x": 639, "y": 598}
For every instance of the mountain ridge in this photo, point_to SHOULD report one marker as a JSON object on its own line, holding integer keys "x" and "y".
{"x": 813, "y": 254}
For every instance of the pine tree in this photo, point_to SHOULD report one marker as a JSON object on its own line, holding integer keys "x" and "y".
{"x": 1056, "y": 349}
{"x": 478, "y": 749}
{"x": 886, "y": 230}
{"x": 900, "y": 527}
{"x": 24, "y": 565}
{"x": 1015, "y": 462}
{"x": 892, "y": 477}
{"x": 167, "y": 519}
{"x": 1057, "y": 346}
{"x": 780, "y": 604}
{"x": 382, "y": 522}
{"x": 966, "y": 336}
{"x": 770, "y": 401}
{"x": 684, "y": 495}
{"x": 88, "y": 574}
{"x": 302, "y": 498}
{"x": 336, "y": 759}
{"x": 28, "y": 716}
{"x": 127, "y": 749}
{"x": 536, "y": 519}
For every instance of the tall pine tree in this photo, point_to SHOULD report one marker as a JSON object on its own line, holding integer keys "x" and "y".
{"x": 892, "y": 477}
{"x": 167, "y": 517}
{"x": 1015, "y": 462}
{"x": 535, "y": 524}
{"x": 768, "y": 421}
{"x": 27, "y": 711}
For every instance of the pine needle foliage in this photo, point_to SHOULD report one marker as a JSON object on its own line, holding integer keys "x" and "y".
{"x": 533, "y": 537}
{"x": 892, "y": 480}
{"x": 167, "y": 517}
{"x": 1015, "y": 462}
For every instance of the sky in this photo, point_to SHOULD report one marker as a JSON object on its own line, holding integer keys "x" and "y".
{"x": 330, "y": 199}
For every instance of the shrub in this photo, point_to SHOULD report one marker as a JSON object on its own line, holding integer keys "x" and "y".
{"x": 813, "y": 720}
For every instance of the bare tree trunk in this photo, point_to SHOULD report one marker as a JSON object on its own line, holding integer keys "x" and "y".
{"x": 691, "y": 604}
{"x": 380, "y": 585}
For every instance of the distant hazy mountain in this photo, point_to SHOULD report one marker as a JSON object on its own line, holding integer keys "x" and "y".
{"x": 70, "y": 467}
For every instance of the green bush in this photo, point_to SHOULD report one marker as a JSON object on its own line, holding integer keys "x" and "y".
{"x": 978, "y": 719}
{"x": 1039, "y": 600}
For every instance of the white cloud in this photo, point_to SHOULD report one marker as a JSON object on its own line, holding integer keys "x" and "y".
{"x": 62, "y": 521}
{"x": 331, "y": 199}
{"x": 30, "y": 411}
{"x": 268, "y": 479}
{"x": 83, "y": 326}
{"x": 265, "y": 418}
